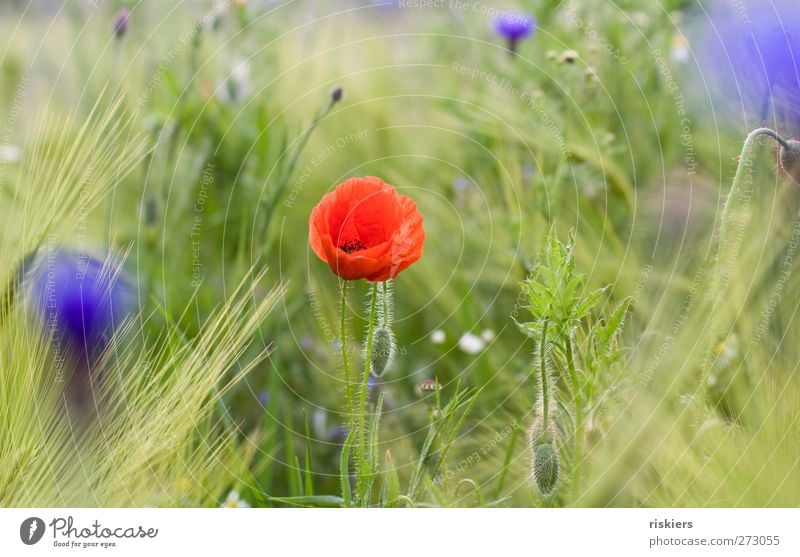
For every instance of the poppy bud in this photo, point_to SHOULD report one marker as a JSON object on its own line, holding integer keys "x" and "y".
{"x": 382, "y": 351}
{"x": 121, "y": 23}
{"x": 545, "y": 469}
{"x": 790, "y": 159}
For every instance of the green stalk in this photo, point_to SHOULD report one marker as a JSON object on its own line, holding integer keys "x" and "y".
{"x": 716, "y": 284}
{"x": 362, "y": 404}
{"x": 345, "y": 364}
{"x": 115, "y": 83}
{"x": 385, "y": 300}
{"x": 545, "y": 383}
{"x": 286, "y": 175}
{"x": 579, "y": 425}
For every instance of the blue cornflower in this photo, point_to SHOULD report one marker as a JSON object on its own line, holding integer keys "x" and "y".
{"x": 514, "y": 27}
{"x": 461, "y": 184}
{"x": 750, "y": 52}
{"x": 80, "y": 300}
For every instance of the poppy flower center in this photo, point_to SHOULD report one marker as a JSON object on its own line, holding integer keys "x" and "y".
{"x": 352, "y": 245}
{"x": 364, "y": 223}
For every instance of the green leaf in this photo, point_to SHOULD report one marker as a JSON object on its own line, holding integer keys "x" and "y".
{"x": 605, "y": 333}
{"x": 532, "y": 329}
{"x": 588, "y": 303}
{"x": 512, "y": 443}
{"x": 391, "y": 483}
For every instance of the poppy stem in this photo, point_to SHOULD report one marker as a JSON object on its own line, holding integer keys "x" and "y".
{"x": 345, "y": 364}
{"x": 743, "y": 174}
{"x": 545, "y": 388}
{"x": 385, "y": 302}
{"x": 364, "y": 462}
{"x": 770, "y": 133}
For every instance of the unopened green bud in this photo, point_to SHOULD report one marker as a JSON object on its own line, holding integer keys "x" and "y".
{"x": 790, "y": 159}
{"x": 545, "y": 468}
{"x": 382, "y": 351}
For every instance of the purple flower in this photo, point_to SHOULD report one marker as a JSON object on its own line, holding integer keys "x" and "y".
{"x": 514, "y": 27}
{"x": 749, "y": 51}
{"x": 121, "y": 23}
{"x": 81, "y": 301}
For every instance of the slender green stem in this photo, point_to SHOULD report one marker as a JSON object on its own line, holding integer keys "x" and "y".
{"x": 577, "y": 395}
{"x": 545, "y": 382}
{"x": 275, "y": 194}
{"x": 115, "y": 83}
{"x": 501, "y": 480}
{"x": 385, "y": 300}
{"x": 345, "y": 363}
{"x": 115, "y": 80}
{"x": 775, "y": 136}
{"x": 286, "y": 175}
{"x": 721, "y": 257}
{"x": 361, "y": 451}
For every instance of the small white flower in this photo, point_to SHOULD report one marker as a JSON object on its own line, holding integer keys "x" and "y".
{"x": 438, "y": 337}
{"x": 233, "y": 501}
{"x": 487, "y": 335}
{"x": 679, "y": 49}
{"x": 319, "y": 421}
{"x": 471, "y": 344}
{"x": 237, "y": 86}
{"x": 728, "y": 350}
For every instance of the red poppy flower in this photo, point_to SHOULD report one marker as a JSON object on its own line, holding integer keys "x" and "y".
{"x": 364, "y": 229}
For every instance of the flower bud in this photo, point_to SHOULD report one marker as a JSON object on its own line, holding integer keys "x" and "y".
{"x": 545, "y": 469}
{"x": 568, "y": 57}
{"x": 336, "y": 95}
{"x": 382, "y": 351}
{"x": 790, "y": 159}
{"x": 121, "y": 23}
{"x": 427, "y": 386}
